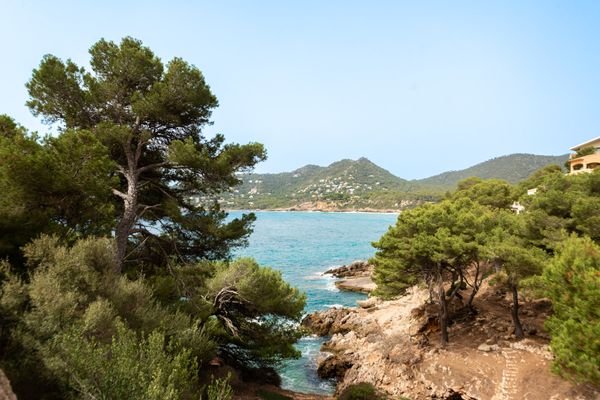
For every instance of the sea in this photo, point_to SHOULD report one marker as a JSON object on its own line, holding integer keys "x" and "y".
{"x": 303, "y": 245}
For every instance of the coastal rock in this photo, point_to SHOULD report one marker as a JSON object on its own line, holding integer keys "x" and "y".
{"x": 353, "y": 270}
{"x": 369, "y": 303}
{"x": 356, "y": 277}
{"x": 6, "y": 392}
{"x": 327, "y": 322}
{"x": 334, "y": 366}
{"x": 361, "y": 284}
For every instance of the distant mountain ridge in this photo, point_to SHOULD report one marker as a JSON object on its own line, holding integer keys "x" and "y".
{"x": 512, "y": 168}
{"x": 363, "y": 185}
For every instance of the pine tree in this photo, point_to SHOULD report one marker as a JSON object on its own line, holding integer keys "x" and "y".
{"x": 149, "y": 116}
{"x": 572, "y": 282}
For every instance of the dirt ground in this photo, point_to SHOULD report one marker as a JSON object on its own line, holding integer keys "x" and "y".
{"x": 521, "y": 369}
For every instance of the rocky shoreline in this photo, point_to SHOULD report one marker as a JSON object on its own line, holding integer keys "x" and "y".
{"x": 393, "y": 345}
{"x": 354, "y": 277}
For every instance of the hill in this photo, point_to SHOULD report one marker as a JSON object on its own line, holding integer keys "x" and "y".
{"x": 512, "y": 168}
{"x": 362, "y": 185}
{"x": 345, "y": 184}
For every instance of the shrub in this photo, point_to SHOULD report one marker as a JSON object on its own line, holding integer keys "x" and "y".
{"x": 360, "y": 391}
{"x": 126, "y": 368}
{"x": 219, "y": 389}
{"x": 585, "y": 151}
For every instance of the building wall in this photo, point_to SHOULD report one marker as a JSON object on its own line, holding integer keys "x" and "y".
{"x": 588, "y": 163}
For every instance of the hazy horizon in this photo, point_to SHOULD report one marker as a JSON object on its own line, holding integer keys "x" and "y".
{"x": 418, "y": 89}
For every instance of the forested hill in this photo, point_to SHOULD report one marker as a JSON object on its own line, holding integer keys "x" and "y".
{"x": 361, "y": 184}
{"x": 346, "y": 184}
{"x": 512, "y": 168}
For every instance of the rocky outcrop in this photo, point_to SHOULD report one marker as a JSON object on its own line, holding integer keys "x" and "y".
{"x": 333, "y": 366}
{"x": 394, "y": 346}
{"x": 356, "y": 277}
{"x": 353, "y": 270}
{"x": 328, "y": 322}
{"x": 6, "y": 392}
{"x": 363, "y": 285}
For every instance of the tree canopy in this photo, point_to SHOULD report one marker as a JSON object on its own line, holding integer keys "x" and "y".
{"x": 563, "y": 204}
{"x": 149, "y": 118}
{"x": 572, "y": 281}
{"x": 58, "y": 185}
{"x": 494, "y": 193}
{"x": 435, "y": 244}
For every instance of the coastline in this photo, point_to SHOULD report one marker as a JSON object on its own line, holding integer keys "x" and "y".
{"x": 328, "y": 211}
{"x": 303, "y": 247}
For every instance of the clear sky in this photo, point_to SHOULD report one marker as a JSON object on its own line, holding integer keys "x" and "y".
{"x": 418, "y": 87}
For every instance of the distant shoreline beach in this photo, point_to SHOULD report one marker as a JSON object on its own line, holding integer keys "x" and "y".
{"x": 336, "y": 211}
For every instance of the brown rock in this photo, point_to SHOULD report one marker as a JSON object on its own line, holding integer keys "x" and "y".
{"x": 328, "y": 322}
{"x": 6, "y": 392}
{"x": 334, "y": 366}
{"x": 369, "y": 303}
{"x": 362, "y": 284}
{"x": 355, "y": 269}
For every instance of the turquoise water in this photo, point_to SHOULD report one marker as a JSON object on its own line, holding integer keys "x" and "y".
{"x": 302, "y": 245}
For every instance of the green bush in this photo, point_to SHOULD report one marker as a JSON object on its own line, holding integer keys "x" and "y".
{"x": 128, "y": 367}
{"x": 70, "y": 340}
{"x": 360, "y": 391}
{"x": 585, "y": 151}
{"x": 219, "y": 389}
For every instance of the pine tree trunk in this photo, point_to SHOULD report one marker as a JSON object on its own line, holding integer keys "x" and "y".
{"x": 443, "y": 313}
{"x": 475, "y": 288}
{"x": 515, "y": 312}
{"x": 130, "y": 204}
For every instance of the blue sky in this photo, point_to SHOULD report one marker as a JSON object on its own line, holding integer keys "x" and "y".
{"x": 417, "y": 87}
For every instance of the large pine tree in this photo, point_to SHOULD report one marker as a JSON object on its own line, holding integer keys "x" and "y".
{"x": 149, "y": 116}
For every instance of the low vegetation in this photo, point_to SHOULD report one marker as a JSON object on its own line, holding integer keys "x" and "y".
{"x": 361, "y": 391}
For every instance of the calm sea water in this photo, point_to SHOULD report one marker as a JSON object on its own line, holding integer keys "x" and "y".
{"x": 302, "y": 245}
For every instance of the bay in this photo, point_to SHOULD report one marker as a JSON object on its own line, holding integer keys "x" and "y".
{"x": 302, "y": 245}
